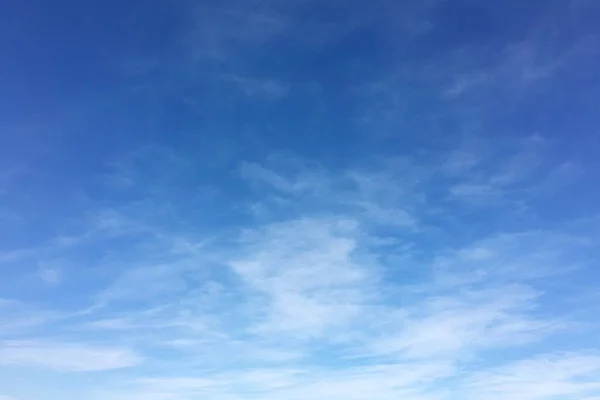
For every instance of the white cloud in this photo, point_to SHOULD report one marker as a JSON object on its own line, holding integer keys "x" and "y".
{"x": 457, "y": 325}
{"x": 225, "y": 32}
{"x": 18, "y": 317}
{"x": 513, "y": 257}
{"x": 544, "y": 377}
{"x": 390, "y": 271}
{"x": 532, "y": 60}
{"x": 347, "y": 289}
{"x": 50, "y": 276}
{"x": 307, "y": 271}
{"x": 383, "y": 381}
{"x": 146, "y": 282}
{"x": 259, "y": 174}
{"x": 268, "y": 89}
{"x": 374, "y": 195}
{"x": 217, "y": 32}
{"x": 65, "y": 357}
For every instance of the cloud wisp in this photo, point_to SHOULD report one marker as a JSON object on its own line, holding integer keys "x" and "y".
{"x": 329, "y": 292}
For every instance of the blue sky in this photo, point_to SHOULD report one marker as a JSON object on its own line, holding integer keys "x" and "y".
{"x": 299, "y": 199}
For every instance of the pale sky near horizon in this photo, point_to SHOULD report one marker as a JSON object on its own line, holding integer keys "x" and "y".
{"x": 299, "y": 200}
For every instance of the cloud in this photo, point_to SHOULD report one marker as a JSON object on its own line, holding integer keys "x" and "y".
{"x": 220, "y": 32}
{"x": 318, "y": 298}
{"x": 268, "y": 89}
{"x": 532, "y": 60}
{"x": 286, "y": 264}
{"x": 18, "y": 317}
{"x": 258, "y": 174}
{"x": 227, "y": 31}
{"x": 286, "y": 288}
{"x": 375, "y": 195}
{"x": 65, "y": 357}
{"x": 562, "y": 375}
{"x": 156, "y": 280}
{"x": 339, "y": 200}
{"x": 457, "y": 325}
{"x": 50, "y": 276}
{"x": 469, "y": 84}
{"x": 517, "y": 172}
{"x": 544, "y": 377}
{"x": 355, "y": 383}
{"x": 510, "y": 173}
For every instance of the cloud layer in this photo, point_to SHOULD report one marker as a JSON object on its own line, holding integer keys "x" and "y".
{"x": 290, "y": 200}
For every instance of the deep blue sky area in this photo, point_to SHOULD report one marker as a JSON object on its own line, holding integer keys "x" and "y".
{"x": 299, "y": 199}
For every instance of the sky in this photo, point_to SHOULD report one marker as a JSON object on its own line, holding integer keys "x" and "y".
{"x": 299, "y": 199}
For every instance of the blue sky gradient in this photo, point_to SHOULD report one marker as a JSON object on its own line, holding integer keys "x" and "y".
{"x": 299, "y": 199}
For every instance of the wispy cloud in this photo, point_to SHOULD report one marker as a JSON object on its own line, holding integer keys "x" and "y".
{"x": 548, "y": 376}
{"x": 305, "y": 302}
{"x": 65, "y": 357}
{"x": 563, "y": 375}
{"x": 268, "y": 89}
{"x": 402, "y": 232}
{"x": 458, "y": 324}
{"x": 278, "y": 292}
{"x": 285, "y": 263}
{"x": 51, "y": 276}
